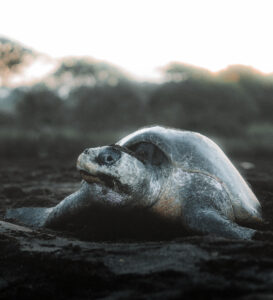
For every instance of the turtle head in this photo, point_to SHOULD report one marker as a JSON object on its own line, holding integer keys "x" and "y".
{"x": 131, "y": 172}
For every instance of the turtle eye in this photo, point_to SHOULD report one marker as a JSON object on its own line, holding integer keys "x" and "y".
{"x": 148, "y": 153}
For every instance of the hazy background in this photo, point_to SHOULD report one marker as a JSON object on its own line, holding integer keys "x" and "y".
{"x": 82, "y": 73}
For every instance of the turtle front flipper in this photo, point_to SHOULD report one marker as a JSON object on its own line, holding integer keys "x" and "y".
{"x": 48, "y": 217}
{"x": 31, "y": 216}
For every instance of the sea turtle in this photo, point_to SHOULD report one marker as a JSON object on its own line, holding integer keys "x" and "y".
{"x": 180, "y": 175}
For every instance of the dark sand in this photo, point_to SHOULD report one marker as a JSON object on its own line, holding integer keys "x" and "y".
{"x": 53, "y": 265}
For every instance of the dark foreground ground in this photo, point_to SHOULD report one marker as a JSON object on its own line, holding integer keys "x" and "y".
{"x": 48, "y": 265}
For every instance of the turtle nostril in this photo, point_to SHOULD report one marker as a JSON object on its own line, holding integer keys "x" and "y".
{"x": 86, "y": 151}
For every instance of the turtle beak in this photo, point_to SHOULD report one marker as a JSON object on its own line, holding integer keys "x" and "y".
{"x": 86, "y": 164}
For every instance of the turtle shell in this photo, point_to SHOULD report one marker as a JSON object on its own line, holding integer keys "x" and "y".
{"x": 195, "y": 153}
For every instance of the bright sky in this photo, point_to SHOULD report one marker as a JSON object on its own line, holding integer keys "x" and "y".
{"x": 142, "y": 35}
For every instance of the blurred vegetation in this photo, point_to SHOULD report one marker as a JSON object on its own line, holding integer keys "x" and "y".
{"x": 13, "y": 59}
{"x": 86, "y": 103}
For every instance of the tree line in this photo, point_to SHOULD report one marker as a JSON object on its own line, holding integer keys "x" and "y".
{"x": 92, "y": 96}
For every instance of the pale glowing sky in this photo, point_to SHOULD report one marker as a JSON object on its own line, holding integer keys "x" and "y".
{"x": 142, "y": 35}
